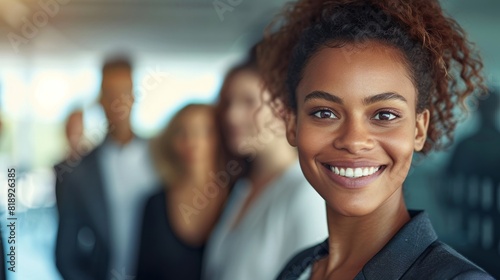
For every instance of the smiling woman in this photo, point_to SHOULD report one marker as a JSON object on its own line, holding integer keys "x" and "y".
{"x": 367, "y": 84}
{"x": 364, "y": 121}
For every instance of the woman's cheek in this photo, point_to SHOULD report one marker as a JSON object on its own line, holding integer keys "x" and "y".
{"x": 399, "y": 148}
{"x": 310, "y": 141}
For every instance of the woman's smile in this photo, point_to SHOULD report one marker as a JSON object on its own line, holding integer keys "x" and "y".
{"x": 352, "y": 175}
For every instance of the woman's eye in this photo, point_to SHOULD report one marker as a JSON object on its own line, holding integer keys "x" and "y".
{"x": 325, "y": 114}
{"x": 385, "y": 116}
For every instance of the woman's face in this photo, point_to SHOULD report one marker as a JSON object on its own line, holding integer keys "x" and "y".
{"x": 247, "y": 124}
{"x": 195, "y": 138}
{"x": 356, "y": 126}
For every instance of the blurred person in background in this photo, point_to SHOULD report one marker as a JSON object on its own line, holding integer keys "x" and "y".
{"x": 100, "y": 201}
{"x": 74, "y": 134}
{"x": 472, "y": 180}
{"x": 178, "y": 219}
{"x": 479, "y": 154}
{"x": 273, "y": 212}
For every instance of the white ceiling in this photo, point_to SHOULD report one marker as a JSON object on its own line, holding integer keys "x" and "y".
{"x": 145, "y": 26}
{"x": 182, "y": 28}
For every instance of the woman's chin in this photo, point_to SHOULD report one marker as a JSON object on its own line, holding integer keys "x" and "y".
{"x": 348, "y": 208}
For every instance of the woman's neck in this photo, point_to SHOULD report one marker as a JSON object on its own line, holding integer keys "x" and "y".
{"x": 353, "y": 241}
{"x": 272, "y": 159}
{"x": 196, "y": 176}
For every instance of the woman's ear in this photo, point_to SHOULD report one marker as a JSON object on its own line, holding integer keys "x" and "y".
{"x": 291, "y": 128}
{"x": 422, "y": 124}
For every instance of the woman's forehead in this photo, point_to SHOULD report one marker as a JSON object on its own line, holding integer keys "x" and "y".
{"x": 373, "y": 68}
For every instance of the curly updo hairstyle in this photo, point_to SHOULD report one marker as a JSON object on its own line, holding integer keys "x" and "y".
{"x": 440, "y": 60}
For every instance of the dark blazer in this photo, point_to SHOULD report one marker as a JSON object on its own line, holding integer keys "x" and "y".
{"x": 413, "y": 253}
{"x": 82, "y": 245}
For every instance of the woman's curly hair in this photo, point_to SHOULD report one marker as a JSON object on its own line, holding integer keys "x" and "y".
{"x": 441, "y": 61}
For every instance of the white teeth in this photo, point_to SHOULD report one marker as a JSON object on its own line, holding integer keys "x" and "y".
{"x": 358, "y": 172}
{"x": 366, "y": 171}
{"x": 349, "y": 172}
{"x": 354, "y": 172}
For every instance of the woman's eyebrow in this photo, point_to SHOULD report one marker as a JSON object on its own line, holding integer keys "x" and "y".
{"x": 318, "y": 94}
{"x": 383, "y": 97}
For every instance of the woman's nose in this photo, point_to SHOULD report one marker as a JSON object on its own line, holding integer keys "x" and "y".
{"x": 354, "y": 136}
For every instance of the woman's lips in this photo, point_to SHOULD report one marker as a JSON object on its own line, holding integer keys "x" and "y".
{"x": 353, "y": 177}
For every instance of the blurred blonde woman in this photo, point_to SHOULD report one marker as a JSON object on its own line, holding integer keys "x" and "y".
{"x": 178, "y": 220}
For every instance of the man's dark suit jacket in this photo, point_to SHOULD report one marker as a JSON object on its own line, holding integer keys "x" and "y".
{"x": 82, "y": 246}
{"x": 413, "y": 253}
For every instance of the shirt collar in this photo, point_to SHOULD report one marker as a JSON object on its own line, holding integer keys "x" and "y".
{"x": 397, "y": 256}
{"x": 109, "y": 143}
{"x": 399, "y": 253}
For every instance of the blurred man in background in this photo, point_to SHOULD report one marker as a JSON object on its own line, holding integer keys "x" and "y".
{"x": 74, "y": 135}
{"x": 474, "y": 186}
{"x": 478, "y": 154}
{"x": 74, "y": 132}
{"x": 100, "y": 201}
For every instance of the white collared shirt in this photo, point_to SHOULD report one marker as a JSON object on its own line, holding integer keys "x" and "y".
{"x": 129, "y": 180}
